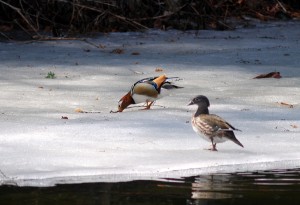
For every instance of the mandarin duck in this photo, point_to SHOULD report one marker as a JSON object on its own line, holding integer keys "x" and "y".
{"x": 209, "y": 126}
{"x": 147, "y": 91}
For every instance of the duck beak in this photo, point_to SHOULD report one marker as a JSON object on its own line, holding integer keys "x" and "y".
{"x": 120, "y": 109}
{"x": 121, "y": 105}
{"x": 191, "y": 103}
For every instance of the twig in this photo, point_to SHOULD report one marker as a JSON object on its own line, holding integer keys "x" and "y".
{"x": 2, "y": 173}
{"x": 44, "y": 38}
{"x": 137, "y": 72}
{"x": 128, "y": 20}
{"x": 47, "y": 38}
{"x": 20, "y": 13}
{"x": 281, "y": 5}
{"x": 24, "y": 29}
{"x": 93, "y": 1}
{"x": 5, "y": 36}
{"x": 89, "y": 111}
{"x": 162, "y": 16}
{"x": 67, "y": 38}
{"x": 91, "y": 43}
{"x": 102, "y": 11}
{"x": 7, "y": 179}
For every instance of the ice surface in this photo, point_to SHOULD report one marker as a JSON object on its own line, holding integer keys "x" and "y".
{"x": 38, "y": 148}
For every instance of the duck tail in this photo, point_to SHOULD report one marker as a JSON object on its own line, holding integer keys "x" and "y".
{"x": 229, "y": 134}
{"x": 170, "y": 86}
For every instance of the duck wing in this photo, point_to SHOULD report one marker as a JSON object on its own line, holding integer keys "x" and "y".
{"x": 221, "y": 127}
{"x": 145, "y": 88}
{"x": 218, "y": 122}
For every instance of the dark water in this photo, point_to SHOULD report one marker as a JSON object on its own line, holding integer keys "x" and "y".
{"x": 262, "y": 187}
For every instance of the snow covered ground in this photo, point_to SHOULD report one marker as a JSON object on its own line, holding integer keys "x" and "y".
{"x": 39, "y": 148}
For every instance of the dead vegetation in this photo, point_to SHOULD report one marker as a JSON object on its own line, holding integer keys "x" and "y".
{"x": 66, "y": 18}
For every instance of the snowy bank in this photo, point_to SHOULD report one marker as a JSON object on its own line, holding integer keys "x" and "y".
{"x": 39, "y": 148}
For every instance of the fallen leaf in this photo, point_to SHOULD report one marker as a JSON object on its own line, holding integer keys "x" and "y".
{"x": 135, "y": 53}
{"x": 286, "y": 104}
{"x": 118, "y": 51}
{"x": 102, "y": 46}
{"x": 41, "y": 87}
{"x": 269, "y": 75}
{"x": 294, "y": 126}
{"x": 64, "y": 117}
{"x": 159, "y": 70}
{"x": 79, "y": 110}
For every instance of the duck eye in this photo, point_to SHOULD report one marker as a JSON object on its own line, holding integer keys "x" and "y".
{"x": 120, "y": 103}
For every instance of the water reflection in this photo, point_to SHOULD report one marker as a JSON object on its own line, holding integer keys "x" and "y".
{"x": 211, "y": 187}
{"x": 266, "y": 187}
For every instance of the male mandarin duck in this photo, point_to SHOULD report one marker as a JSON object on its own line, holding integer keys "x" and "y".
{"x": 147, "y": 91}
{"x": 209, "y": 126}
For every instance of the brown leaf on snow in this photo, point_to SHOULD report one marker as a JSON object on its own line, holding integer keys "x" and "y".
{"x": 269, "y": 75}
{"x": 135, "y": 53}
{"x": 118, "y": 51}
{"x": 286, "y": 104}
{"x": 79, "y": 110}
{"x": 64, "y": 117}
{"x": 294, "y": 126}
{"x": 159, "y": 70}
{"x": 102, "y": 46}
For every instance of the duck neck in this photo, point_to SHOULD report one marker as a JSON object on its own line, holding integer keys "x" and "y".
{"x": 202, "y": 109}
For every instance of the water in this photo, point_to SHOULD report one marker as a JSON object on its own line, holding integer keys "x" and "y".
{"x": 262, "y": 187}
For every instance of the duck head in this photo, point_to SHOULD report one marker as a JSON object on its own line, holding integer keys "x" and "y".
{"x": 202, "y": 102}
{"x": 125, "y": 101}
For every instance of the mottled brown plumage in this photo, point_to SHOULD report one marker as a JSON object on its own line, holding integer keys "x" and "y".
{"x": 211, "y": 127}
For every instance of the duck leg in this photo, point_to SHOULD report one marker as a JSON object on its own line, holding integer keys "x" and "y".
{"x": 214, "y": 146}
{"x": 148, "y": 105}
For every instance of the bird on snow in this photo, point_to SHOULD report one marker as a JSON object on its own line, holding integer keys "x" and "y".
{"x": 147, "y": 91}
{"x": 209, "y": 126}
